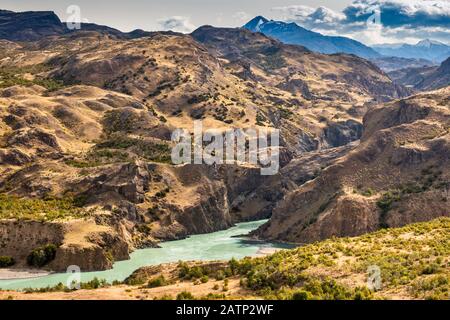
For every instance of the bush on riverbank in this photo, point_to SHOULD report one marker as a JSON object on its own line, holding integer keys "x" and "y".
{"x": 41, "y": 256}
{"x": 6, "y": 261}
{"x": 159, "y": 281}
{"x": 60, "y": 287}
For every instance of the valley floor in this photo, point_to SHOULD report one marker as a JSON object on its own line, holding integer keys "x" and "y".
{"x": 413, "y": 261}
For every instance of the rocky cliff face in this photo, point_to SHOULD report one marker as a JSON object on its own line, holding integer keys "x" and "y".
{"x": 257, "y": 196}
{"x": 80, "y": 243}
{"x": 397, "y": 175}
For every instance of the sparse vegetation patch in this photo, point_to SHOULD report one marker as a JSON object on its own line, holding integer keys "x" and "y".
{"x": 13, "y": 207}
{"x": 16, "y": 76}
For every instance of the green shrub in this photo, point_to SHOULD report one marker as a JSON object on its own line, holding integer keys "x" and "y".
{"x": 368, "y": 193}
{"x": 302, "y": 295}
{"x": 328, "y": 289}
{"x": 118, "y": 121}
{"x": 163, "y": 193}
{"x": 159, "y": 281}
{"x": 386, "y": 201}
{"x": 260, "y": 119}
{"x": 385, "y": 204}
{"x": 435, "y": 287}
{"x": 214, "y": 296}
{"x": 220, "y": 275}
{"x": 199, "y": 98}
{"x": 80, "y": 164}
{"x": 94, "y": 284}
{"x": 91, "y": 285}
{"x": 150, "y": 150}
{"x": 41, "y": 256}
{"x": 274, "y": 61}
{"x": 117, "y": 142}
{"x": 183, "y": 270}
{"x": 190, "y": 273}
{"x": 98, "y": 157}
{"x": 15, "y": 76}
{"x": 431, "y": 269}
{"x": 6, "y": 261}
{"x": 185, "y": 295}
{"x": 56, "y": 288}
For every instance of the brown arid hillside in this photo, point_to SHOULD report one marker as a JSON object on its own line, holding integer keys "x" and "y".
{"x": 92, "y": 168}
{"x": 228, "y": 78}
{"x": 399, "y": 174}
{"x": 316, "y": 100}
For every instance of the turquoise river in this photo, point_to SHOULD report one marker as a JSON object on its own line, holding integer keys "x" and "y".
{"x": 221, "y": 245}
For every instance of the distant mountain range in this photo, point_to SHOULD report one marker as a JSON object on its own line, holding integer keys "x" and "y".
{"x": 426, "y": 49}
{"x": 33, "y": 25}
{"x": 292, "y": 33}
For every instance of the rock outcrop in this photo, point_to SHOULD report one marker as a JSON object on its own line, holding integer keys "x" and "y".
{"x": 82, "y": 243}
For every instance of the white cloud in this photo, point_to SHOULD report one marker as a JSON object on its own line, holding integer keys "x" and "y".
{"x": 325, "y": 15}
{"x": 403, "y": 12}
{"x": 299, "y": 12}
{"x": 407, "y": 7}
{"x": 241, "y": 16}
{"x": 309, "y": 17}
{"x": 177, "y": 24}
{"x": 401, "y": 20}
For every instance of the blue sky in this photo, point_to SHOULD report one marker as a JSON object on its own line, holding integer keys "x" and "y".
{"x": 401, "y": 20}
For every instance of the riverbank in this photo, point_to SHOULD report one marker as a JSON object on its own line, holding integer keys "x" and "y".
{"x": 221, "y": 245}
{"x": 335, "y": 269}
{"x": 20, "y": 274}
{"x": 124, "y": 292}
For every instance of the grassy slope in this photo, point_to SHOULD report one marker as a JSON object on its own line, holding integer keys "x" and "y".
{"x": 414, "y": 263}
